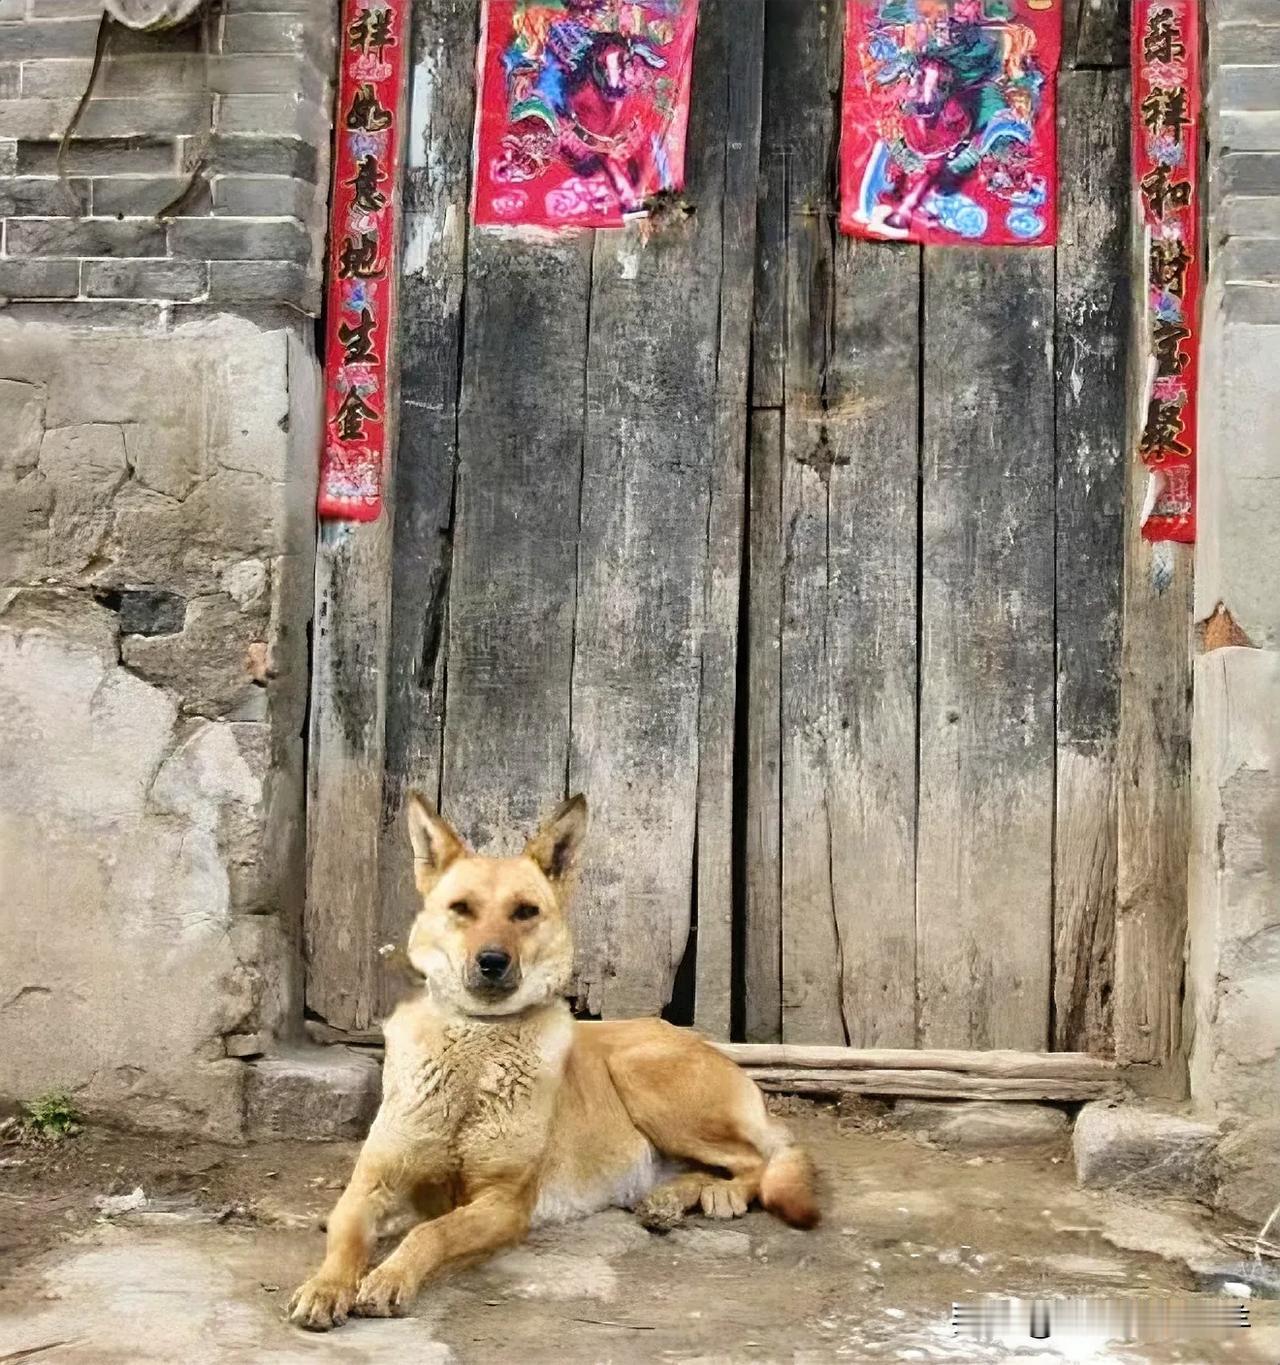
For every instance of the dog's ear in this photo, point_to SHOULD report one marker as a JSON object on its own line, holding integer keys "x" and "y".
{"x": 555, "y": 846}
{"x": 435, "y": 842}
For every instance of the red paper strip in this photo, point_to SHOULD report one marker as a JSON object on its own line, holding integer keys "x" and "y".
{"x": 947, "y": 127}
{"x": 1166, "y": 162}
{"x": 582, "y": 109}
{"x": 364, "y": 220}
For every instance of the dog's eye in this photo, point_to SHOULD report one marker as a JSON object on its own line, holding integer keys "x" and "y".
{"x": 462, "y": 910}
{"x": 525, "y": 912}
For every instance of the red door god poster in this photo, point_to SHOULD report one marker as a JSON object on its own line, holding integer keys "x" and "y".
{"x": 581, "y": 110}
{"x": 1166, "y": 145}
{"x": 947, "y": 126}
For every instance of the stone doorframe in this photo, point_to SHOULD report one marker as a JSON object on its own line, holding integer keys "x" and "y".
{"x": 1232, "y": 1016}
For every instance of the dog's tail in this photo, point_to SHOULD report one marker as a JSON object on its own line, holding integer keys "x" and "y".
{"x": 787, "y": 1184}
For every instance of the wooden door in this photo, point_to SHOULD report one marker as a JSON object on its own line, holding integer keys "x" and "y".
{"x": 801, "y": 556}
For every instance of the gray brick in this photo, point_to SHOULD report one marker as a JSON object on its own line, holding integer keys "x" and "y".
{"x": 49, "y": 38}
{"x": 258, "y": 282}
{"x": 1244, "y": 45}
{"x": 34, "y": 119}
{"x": 240, "y": 239}
{"x": 140, "y": 116}
{"x": 127, "y": 42}
{"x": 146, "y": 279}
{"x": 266, "y": 33}
{"x": 127, "y": 196}
{"x": 263, "y": 196}
{"x": 1248, "y": 87}
{"x": 10, "y": 79}
{"x": 41, "y": 196}
{"x": 245, "y": 74}
{"x": 1246, "y": 12}
{"x": 263, "y": 156}
{"x": 84, "y": 237}
{"x": 55, "y": 78}
{"x": 8, "y": 158}
{"x": 1243, "y": 216}
{"x": 45, "y": 119}
{"x": 1248, "y": 173}
{"x": 1252, "y": 303}
{"x": 100, "y": 156}
{"x": 1250, "y": 261}
{"x": 1240, "y": 132}
{"x": 172, "y": 74}
{"x": 39, "y": 279}
{"x": 64, "y": 9}
{"x": 290, "y": 115}
{"x": 317, "y": 9}
{"x": 91, "y": 314}
{"x": 12, "y": 9}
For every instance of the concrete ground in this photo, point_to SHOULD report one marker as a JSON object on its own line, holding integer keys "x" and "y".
{"x": 201, "y": 1271}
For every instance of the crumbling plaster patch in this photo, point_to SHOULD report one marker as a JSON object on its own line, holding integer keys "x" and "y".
{"x": 155, "y": 572}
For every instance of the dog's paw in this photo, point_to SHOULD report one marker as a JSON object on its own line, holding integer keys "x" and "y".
{"x": 384, "y": 1293}
{"x": 661, "y": 1211}
{"x": 723, "y": 1199}
{"x": 321, "y": 1304}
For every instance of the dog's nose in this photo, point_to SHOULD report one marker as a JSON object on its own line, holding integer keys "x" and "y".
{"x": 493, "y": 963}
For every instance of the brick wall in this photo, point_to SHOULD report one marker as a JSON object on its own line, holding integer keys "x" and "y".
{"x": 253, "y": 113}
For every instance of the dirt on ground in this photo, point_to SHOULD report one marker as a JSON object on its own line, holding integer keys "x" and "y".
{"x": 199, "y": 1266}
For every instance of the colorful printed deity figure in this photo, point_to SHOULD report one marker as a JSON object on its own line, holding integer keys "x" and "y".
{"x": 584, "y": 86}
{"x": 956, "y": 92}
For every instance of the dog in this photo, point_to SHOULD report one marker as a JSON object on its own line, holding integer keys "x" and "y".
{"x": 501, "y": 1112}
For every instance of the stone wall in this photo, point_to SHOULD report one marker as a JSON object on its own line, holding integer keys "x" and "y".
{"x": 159, "y": 395}
{"x": 230, "y": 118}
{"x": 156, "y": 551}
{"x": 1234, "y": 913}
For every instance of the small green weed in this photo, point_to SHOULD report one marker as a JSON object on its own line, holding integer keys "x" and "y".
{"x": 50, "y": 1118}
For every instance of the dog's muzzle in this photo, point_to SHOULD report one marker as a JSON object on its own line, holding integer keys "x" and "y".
{"x": 493, "y": 971}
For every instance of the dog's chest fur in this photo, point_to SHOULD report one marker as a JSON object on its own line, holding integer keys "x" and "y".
{"x": 472, "y": 1088}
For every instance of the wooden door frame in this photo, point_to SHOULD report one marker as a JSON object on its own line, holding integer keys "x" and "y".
{"x": 348, "y": 743}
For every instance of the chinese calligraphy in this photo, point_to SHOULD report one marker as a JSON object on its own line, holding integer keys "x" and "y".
{"x": 1166, "y": 128}
{"x": 360, "y": 329}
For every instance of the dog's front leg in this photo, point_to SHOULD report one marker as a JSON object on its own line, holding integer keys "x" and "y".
{"x": 326, "y": 1298}
{"x": 495, "y": 1218}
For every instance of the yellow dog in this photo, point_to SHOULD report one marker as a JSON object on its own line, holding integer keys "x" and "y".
{"x": 499, "y": 1111}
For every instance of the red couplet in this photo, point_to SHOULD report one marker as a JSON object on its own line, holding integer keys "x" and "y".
{"x": 1166, "y": 168}
{"x": 363, "y": 225}
{"x": 582, "y": 110}
{"x": 948, "y": 130}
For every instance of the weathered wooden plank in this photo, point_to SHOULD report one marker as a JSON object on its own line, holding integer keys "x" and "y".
{"x": 984, "y": 862}
{"x": 1095, "y": 33}
{"x": 344, "y": 770}
{"x": 1153, "y": 766}
{"x": 762, "y": 928}
{"x": 848, "y": 638}
{"x": 1000, "y": 1062}
{"x": 812, "y": 964}
{"x": 714, "y": 976}
{"x": 510, "y": 632}
{"x": 870, "y": 423}
{"x": 432, "y": 277}
{"x": 651, "y": 457}
{"x": 1091, "y": 351}
{"x": 804, "y": 47}
{"x": 941, "y": 1085}
{"x": 347, "y": 736}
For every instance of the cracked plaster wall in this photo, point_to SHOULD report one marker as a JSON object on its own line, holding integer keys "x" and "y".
{"x": 156, "y": 571}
